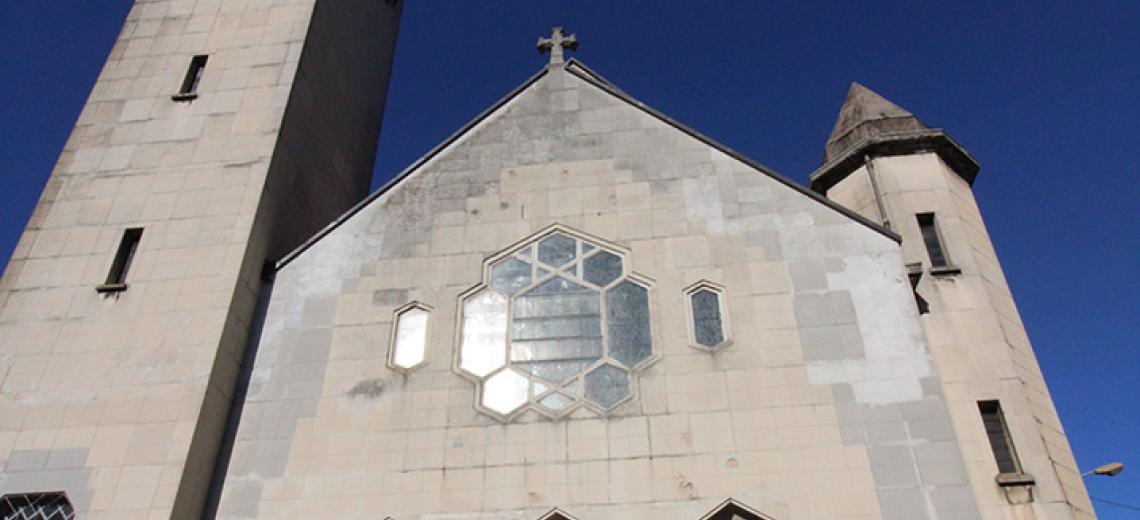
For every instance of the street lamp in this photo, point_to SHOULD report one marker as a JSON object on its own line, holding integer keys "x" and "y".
{"x": 1111, "y": 469}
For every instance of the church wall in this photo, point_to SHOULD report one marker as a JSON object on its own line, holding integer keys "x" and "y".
{"x": 119, "y": 398}
{"x": 826, "y": 405}
{"x": 979, "y": 343}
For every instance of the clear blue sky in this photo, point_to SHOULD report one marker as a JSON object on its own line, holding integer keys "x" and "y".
{"x": 1046, "y": 98}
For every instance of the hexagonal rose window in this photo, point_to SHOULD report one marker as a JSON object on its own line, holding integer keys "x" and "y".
{"x": 559, "y": 322}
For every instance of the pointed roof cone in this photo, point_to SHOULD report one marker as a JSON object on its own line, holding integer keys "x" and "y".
{"x": 866, "y": 114}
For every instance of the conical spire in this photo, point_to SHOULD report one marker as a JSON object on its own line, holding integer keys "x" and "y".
{"x": 866, "y": 114}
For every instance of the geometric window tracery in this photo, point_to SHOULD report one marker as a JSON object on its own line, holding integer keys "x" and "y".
{"x": 36, "y": 506}
{"x": 558, "y": 323}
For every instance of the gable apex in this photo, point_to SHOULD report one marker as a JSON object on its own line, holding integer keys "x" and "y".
{"x": 574, "y": 68}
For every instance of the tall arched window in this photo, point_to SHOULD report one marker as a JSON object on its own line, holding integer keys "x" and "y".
{"x": 559, "y": 322}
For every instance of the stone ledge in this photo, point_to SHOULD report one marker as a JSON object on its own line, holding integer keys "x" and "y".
{"x": 111, "y": 288}
{"x": 1015, "y": 479}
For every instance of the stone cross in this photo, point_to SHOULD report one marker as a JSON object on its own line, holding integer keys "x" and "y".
{"x": 555, "y": 43}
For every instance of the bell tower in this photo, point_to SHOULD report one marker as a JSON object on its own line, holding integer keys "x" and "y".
{"x": 884, "y": 163}
{"x": 219, "y": 135}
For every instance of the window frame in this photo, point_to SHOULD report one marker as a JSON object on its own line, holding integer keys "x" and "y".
{"x": 690, "y": 316}
{"x": 929, "y": 220}
{"x": 581, "y": 400}
{"x": 394, "y": 332}
{"x": 126, "y": 255}
{"x": 5, "y": 499}
{"x": 998, "y": 414}
{"x": 188, "y": 90}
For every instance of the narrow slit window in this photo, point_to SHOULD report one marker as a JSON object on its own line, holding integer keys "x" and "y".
{"x": 193, "y": 76}
{"x": 409, "y": 340}
{"x": 933, "y": 240}
{"x": 707, "y": 316}
{"x": 998, "y": 433}
{"x": 128, "y": 246}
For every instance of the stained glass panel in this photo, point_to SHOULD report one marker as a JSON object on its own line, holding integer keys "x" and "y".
{"x": 602, "y": 268}
{"x": 708, "y": 328}
{"x": 557, "y": 250}
{"x": 627, "y": 323}
{"x": 546, "y": 333}
{"x": 607, "y": 385}
{"x": 509, "y": 275}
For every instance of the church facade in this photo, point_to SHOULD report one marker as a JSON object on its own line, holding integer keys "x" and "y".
{"x": 574, "y": 307}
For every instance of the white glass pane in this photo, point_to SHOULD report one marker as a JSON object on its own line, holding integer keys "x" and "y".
{"x": 556, "y": 329}
{"x": 484, "y": 346}
{"x": 411, "y": 338}
{"x": 505, "y": 392}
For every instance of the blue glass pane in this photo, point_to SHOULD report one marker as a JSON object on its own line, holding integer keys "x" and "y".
{"x": 602, "y": 268}
{"x": 557, "y": 250}
{"x": 627, "y": 323}
{"x": 607, "y": 385}
{"x": 510, "y": 275}
{"x": 707, "y": 326}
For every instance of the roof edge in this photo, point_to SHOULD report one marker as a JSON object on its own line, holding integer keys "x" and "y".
{"x": 431, "y": 154}
{"x": 581, "y": 71}
{"x": 899, "y": 143}
{"x": 589, "y": 76}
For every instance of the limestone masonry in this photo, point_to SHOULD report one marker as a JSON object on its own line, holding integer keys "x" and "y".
{"x": 573, "y": 308}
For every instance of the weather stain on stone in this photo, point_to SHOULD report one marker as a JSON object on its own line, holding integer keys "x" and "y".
{"x": 367, "y": 389}
{"x": 390, "y": 297}
{"x": 504, "y": 205}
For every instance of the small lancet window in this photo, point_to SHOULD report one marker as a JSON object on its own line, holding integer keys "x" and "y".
{"x": 933, "y": 240}
{"x": 998, "y": 433}
{"x": 556, "y": 514}
{"x": 124, "y": 257}
{"x": 409, "y": 337}
{"x": 708, "y": 316}
{"x": 189, "y": 89}
{"x": 36, "y": 506}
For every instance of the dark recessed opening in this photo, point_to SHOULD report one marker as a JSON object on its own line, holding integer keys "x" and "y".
{"x": 998, "y": 433}
{"x": 124, "y": 256}
{"x": 193, "y": 77}
{"x": 933, "y": 240}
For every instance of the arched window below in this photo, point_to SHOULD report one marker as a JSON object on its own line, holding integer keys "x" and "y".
{"x": 36, "y": 506}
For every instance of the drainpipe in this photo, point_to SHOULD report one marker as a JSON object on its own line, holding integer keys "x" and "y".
{"x": 870, "y": 164}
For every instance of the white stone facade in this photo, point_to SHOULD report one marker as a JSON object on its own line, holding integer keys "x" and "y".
{"x": 704, "y": 339}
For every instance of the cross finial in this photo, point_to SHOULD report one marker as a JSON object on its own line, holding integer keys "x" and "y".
{"x": 555, "y": 43}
